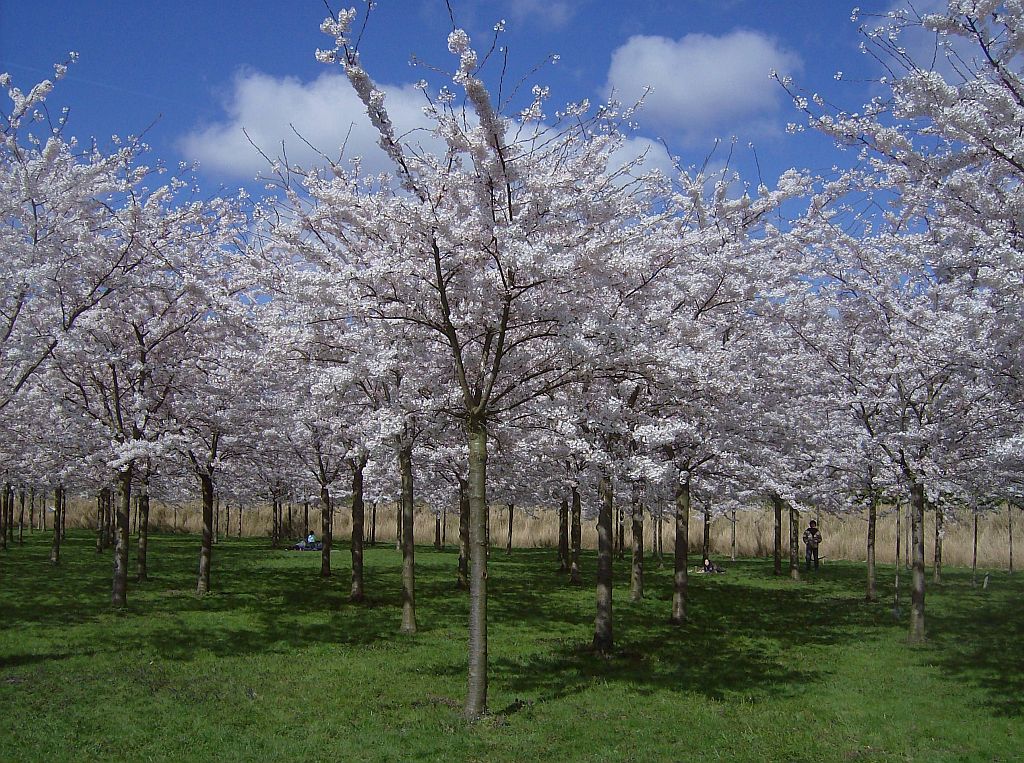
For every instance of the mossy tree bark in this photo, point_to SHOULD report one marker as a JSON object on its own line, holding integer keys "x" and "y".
{"x": 603, "y": 638}
{"x": 119, "y": 592}
{"x": 476, "y": 694}
{"x": 681, "y": 547}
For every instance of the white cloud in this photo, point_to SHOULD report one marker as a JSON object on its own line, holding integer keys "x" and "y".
{"x": 325, "y": 112}
{"x": 550, "y": 14}
{"x": 703, "y": 86}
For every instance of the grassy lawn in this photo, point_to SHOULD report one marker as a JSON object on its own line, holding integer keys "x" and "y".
{"x": 276, "y": 664}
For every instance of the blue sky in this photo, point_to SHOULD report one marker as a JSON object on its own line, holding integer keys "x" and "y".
{"x": 193, "y": 74}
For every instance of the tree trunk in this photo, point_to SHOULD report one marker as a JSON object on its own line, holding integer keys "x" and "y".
{"x": 206, "y": 549}
{"x": 659, "y": 535}
{"x": 64, "y": 514}
{"x": 794, "y": 543}
{"x": 21, "y": 517}
{"x": 1009, "y": 527}
{"x": 476, "y": 694}
{"x": 636, "y": 577}
{"x": 142, "y": 570}
{"x": 620, "y": 543}
{"x": 706, "y": 546}
{"x": 100, "y": 502}
{"x": 899, "y": 561}
{"x": 408, "y": 547}
{"x": 437, "y": 530}
{"x": 777, "y": 505}
{"x": 734, "y": 535}
{"x": 563, "y": 535}
{"x": 974, "y": 554}
{"x": 31, "y": 509}
{"x": 508, "y": 544}
{"x": 917, "y": 501}
{"x": 119, "y": 592}
{"x": 939, "y": 532}
{"x": 681, "y": 548}
{"x": 603, "y": 640}
{"x": 239, "y": 520}
{"x": 216, "y": 518}
{"x": 444, "y": 526}
{"x": 305, "y": 519}
{"x": 55, "y": 546}
{"x": 373, "y": 523}
{"x": 872, "y": 594}
{"x": 575, "y": 539}
{"x": 42, "y": 512}
{"x": 462, "y": 582}
{"x": 357, "y": 593}
{"x": 326, "y": 517}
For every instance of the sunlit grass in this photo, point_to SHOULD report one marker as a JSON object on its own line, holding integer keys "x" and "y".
{"x": 277, "y": 663}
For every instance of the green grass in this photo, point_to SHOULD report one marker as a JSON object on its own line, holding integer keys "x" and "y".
{"x": 276, "y": 664}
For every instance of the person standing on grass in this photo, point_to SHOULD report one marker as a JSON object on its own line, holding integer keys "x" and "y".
{"x": 812, "y": 539}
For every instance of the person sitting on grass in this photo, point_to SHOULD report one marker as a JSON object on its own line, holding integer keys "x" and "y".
{"x": 710, "y": 566}
{"x": 311, "y": 538}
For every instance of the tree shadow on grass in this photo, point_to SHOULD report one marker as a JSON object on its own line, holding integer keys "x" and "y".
{"x": 975, "y": 636}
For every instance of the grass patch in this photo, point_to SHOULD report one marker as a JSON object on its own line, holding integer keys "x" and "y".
{"x": 277, "y": 662}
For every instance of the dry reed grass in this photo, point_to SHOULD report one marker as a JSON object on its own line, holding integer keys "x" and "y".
{"x": 844, "y": 537}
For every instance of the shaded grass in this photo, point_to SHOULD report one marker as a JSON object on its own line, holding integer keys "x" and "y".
{"x": 276, "y": 662}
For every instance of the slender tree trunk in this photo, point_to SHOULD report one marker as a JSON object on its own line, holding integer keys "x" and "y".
{"x": 408, "y": 547}
{"x": 373, "y": 523}
{"x": 659, "y": 535}
{"x": 576, "y": 540}
{"x": 63, "y": 514}
{"x": 206, "y": 549}
{"x": 3, "y": 516}
{"x": 563, "y": 535}
{"x": 603, "y": 641}
{"x": 733, "y": 523}
{"x": 707, "y": 532}
{"x": 119, "y": 592}
{"x": 906, "y": 539}
{"x": 872, "y": 594}
{"x": 899, "y": 561}
{"x": 636, "y": 577}
{"x": 462, "y": 582}
{"x": 1009, "y": 527}
{"x": 476, "y": 694}
{"x": 42, "y": 512}
{"x": 444, "y": 526}
{"x": 620, "y": 543}
{"x": 939, "y": 532}
{"x": 917, "y": 502}
{"x": 508, "y": 544}
{"x": 305, "y": 519}
{"x": 437, "y": 530}
{"x": 239, "y": 520}
{"x": 21, "y": 517}
{"x": 216, "y": 518}
{"x": 100, "y": 503}
{"x": 974, "y": 554}
{"x": 398, "y": 524}
{"x": 681, "y": 548}
{"x": 291, "y": 524}
{"x": 357, "y": 593}
{"x": 326, "y": 517}
{"x": 55, "y": 546}
{"x": 794, "y": 543}
{"x": 142, "y": 570}
{"x": 777, "y": 505}
{"x": 32, "y": 509}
